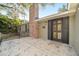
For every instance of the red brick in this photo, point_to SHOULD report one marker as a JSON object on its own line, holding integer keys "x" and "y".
{"x": 33, "y": 25}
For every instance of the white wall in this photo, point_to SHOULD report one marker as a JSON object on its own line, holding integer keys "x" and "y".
{"x": 76, "y": 40}
{"x": 72, "y": 6}
{"x": 74, "y": 31}
{"x": 43, "y": 32}
{"x": 71, "y": 30}
{"x": 74, "y": 28}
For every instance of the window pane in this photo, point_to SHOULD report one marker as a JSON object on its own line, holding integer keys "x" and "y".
{"x": 54, "y": 35}
{"x": 54, "y": 22}
{"x": 59, "y": 35}
{"x": 59, "y": 27}
{"x": 54, "y": 27}
{"x": 59, "y": 21}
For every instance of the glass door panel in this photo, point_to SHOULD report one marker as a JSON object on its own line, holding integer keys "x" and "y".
{"x": 59, "y": 27}
{"x": 59, "y": 35}
{"x": 54, "y": 22}
{"x": 54, "y": 35}
{"x": 54, "y": 27}
{"x": 59, "y": 21}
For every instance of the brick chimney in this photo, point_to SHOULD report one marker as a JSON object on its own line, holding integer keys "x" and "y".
{"x": 33, "y": 25}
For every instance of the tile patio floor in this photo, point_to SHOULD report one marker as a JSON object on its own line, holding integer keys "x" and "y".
{"x": 28, "y": 46}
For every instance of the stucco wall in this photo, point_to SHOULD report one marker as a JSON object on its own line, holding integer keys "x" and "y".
{"x": 74, "y": 28}
{"x": 72, "y": 6}
{"x": 74, "y": 31}
{"x": 76, "y": 40}
{"x": 71, "y": 30}
{"x": 43, "y": 30}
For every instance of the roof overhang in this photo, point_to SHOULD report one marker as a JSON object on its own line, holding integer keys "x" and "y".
{"x": 57, "y": 15}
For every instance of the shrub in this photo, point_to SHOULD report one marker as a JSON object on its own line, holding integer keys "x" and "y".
{"x": 8, "y": 25}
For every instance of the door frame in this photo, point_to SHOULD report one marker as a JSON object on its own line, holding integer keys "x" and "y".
{"x": 65, "y": 29}
{"x": 56, "y": 29}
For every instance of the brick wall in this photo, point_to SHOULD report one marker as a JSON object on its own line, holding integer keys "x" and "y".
{"x": 33, "y": 25}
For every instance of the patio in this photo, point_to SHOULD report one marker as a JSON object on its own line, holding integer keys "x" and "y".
{"x": 28, "y": 46}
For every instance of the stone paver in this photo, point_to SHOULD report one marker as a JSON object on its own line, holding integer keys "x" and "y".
{"x": 35, "y": 47}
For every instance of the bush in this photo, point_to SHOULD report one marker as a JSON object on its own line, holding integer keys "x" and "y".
{"x": 8, "y": 25}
